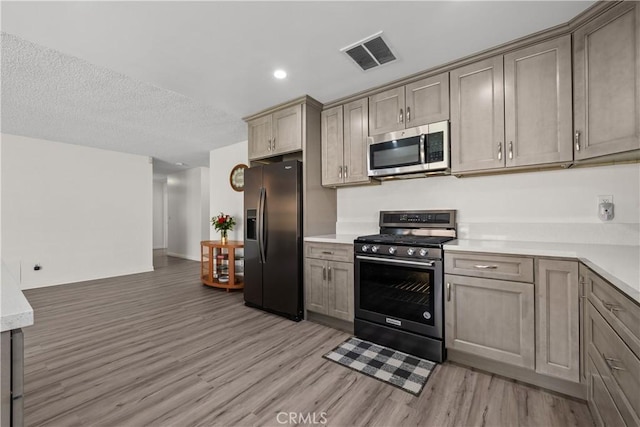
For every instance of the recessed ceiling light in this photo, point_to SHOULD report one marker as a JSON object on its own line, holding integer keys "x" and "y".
{"x": 280, "y": 74}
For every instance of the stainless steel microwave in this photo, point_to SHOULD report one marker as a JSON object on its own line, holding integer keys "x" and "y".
{"x": 422, "y": 149}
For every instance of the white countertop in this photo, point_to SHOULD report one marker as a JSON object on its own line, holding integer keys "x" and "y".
{"x": 333, "y": 238}
{"x": 619, "y": 264}
{"x": 15, "y": 310}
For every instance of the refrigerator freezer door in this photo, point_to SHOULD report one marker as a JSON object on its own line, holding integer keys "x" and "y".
{"x": 252, "y": 264}
{"x": 282, "y": 270}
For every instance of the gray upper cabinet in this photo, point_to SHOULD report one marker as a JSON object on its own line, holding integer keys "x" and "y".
{"x": 606, "y": 74}
{"x": 344, "y": 144}
{"x": 332, "y": 146}
{"x": 513, "y": 114}
{"x": 418, "y": 103}
{"x": 477, "y": 116}
{"x": 537, "y": 90}
{"x": 260, "y": 137}
{"x": 277, "y": 133}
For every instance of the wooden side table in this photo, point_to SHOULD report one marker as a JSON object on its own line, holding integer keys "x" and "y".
{"x": 218, "y": 264}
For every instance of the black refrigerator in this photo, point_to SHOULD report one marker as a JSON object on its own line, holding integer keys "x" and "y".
{"x": 273, "y": 238}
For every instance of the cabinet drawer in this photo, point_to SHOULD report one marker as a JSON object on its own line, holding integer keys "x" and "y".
{"x": 519, "y": 269}
{"x": 329, "y": 251}
{"x": 617, "y": 365}
{"x": 620, "y": 312}
{"x": 606, "y": 413}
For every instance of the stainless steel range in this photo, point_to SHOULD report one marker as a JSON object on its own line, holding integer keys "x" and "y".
{"x": 399, "y": 282}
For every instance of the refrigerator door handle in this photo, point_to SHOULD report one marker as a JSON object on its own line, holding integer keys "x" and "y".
{"x": 261, "y": 230}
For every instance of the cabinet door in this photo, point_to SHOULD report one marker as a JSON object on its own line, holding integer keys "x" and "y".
{"x": 332, "y": 146}
{"x": 537, "y": 91}
{"x": 427, "y": 100}
{"x": 287, "y": 130}
{"x": 260, "y": 137}
{"x": 340, "y": 290}
{"x": 477, "y": 116}
{"x": 315, "y": 285}
{"x": 606, "y": 73}
{"x": 557, "y": 321}
{"x": 356, "y": 131}
{"x": 490, "y": 318}
{"x": 387, "y": 111}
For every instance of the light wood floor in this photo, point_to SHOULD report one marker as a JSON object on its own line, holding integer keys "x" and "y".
{"x": 160, "y": 349}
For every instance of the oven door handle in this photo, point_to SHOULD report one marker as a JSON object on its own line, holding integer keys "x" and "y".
{"x": 397, "y": 261}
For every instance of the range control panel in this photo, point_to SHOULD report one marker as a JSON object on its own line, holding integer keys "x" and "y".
{"x": 397, "y": 251}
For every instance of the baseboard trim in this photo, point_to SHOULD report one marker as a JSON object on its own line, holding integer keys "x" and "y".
{"x": 329, "y": 321}
{"x": 183, "y": 256}
{"x": 568, "y": 388}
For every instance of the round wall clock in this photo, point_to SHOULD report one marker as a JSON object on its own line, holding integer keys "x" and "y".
{"x": 236, "y": 177}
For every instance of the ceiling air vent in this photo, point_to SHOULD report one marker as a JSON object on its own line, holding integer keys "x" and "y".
{"x": 370, "y": 52}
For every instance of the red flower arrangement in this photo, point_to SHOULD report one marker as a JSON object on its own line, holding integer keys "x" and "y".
{"x": 223, "y": 222}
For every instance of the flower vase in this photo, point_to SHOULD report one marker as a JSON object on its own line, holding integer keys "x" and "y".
{"x": 223, "y": 237}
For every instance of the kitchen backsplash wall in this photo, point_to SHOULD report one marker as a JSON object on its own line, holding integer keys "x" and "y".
{"x": 555, "y": 205}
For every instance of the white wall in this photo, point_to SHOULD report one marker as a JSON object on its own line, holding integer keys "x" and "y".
{"x": 555, "y": 205}
{"x": 81, "y": 213}
{"x": 187, "y": 205}
{"x": 159, "y": 214}
{"x": 223, "y": 197}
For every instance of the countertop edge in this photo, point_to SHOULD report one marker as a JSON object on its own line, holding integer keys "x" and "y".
{"x": 524, "y": 248}
{"x": 15, "y": 310}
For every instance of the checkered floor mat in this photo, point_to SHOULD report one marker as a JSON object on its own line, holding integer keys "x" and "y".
{"x": 399, "y": 369}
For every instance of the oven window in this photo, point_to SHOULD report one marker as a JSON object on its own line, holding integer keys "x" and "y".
{"x": 402, "y": 292}
{"x": 403, "y": 152}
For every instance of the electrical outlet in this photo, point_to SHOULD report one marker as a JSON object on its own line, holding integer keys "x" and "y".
{"x": 605, "y": 208}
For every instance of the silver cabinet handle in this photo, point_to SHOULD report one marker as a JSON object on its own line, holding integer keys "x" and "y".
{"x": 577, "y": 140}
{"x": 611, "y": 363}
{"x": 485, "y": 267}
{"x": 510, "y": 150}
{"x": 612, "y": 307}
{"x": 327, "y": 252}
{"x": 329, "y": 273}
{"x": 274, "y": 144}
{"x": 346, "y": 172}
{"x": 499, "y": 150}
{"x": 401, "y": 116}
{"x": 324, "y": 273}
{"x": 583, "y": 293}
{"x": 448, "y": 291}
{"x": 408, "y": 114}
{"x": 340, "y": 172}
{"x": 269, "y": 144}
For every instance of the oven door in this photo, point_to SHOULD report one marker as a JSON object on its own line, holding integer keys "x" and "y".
{"x": 400, "y": 293}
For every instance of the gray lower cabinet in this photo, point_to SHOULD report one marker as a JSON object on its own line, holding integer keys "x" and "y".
{"x": 612, "y": 347}
{"x": 328, "y": 283}
{"x": 490, "y": 318}
{"x": 516, "y": 310}
{"x": 606, "y": 75}
{"x": 513, "y": 110}
{"x": 558, "y": 319}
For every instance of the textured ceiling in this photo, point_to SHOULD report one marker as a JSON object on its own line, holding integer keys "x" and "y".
{"x": 172, "y": 79}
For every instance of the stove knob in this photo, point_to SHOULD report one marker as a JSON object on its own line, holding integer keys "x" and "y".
{"x": 423, "y": 252}
{"x": 410, "y": 251}
{"x": 365, "y": 248}
{"x": 374, "y": 249}
{"x": 392, "y": 250}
